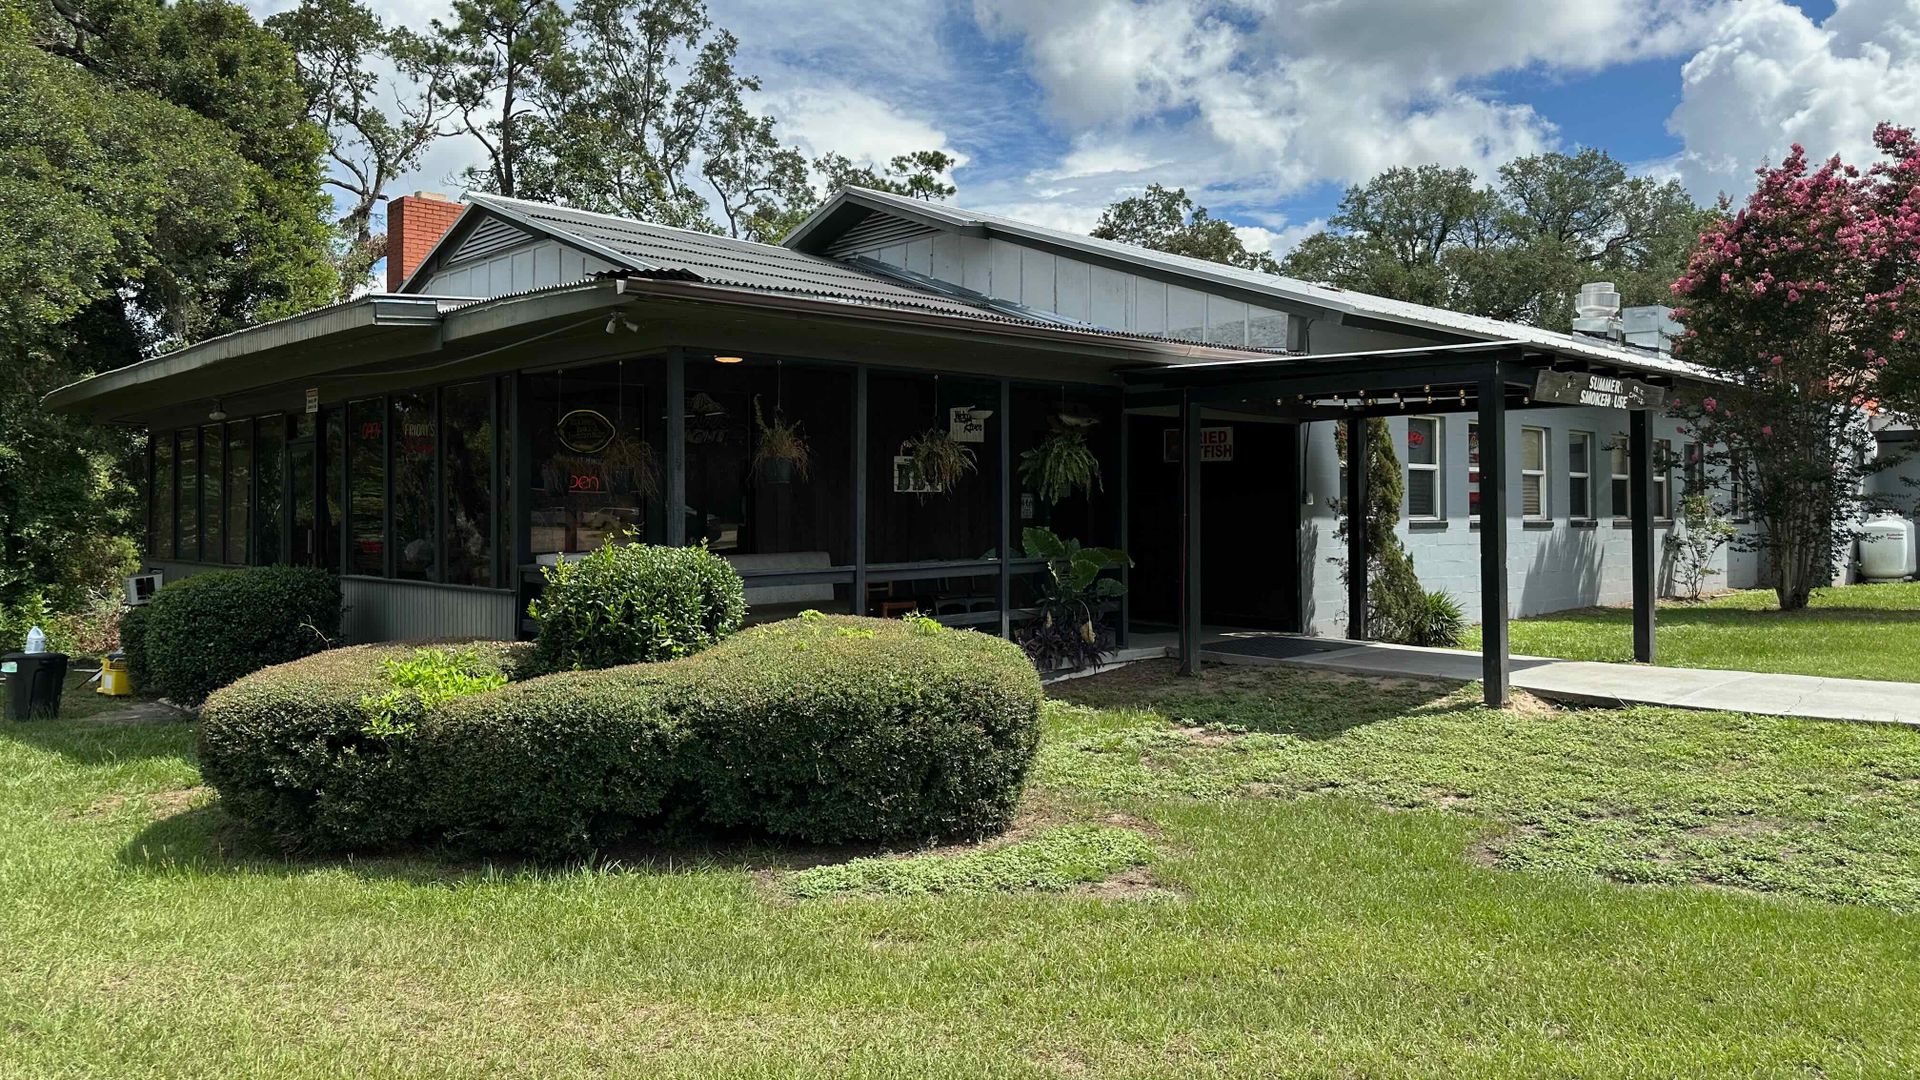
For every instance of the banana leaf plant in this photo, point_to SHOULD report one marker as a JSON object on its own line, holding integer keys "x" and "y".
{"x": 1070, "y": 633}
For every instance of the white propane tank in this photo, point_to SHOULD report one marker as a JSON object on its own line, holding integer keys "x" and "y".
{"x": 1887, "y": 549}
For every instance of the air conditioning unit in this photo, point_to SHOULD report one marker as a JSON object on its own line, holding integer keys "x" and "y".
{"x": 141, "y": 587}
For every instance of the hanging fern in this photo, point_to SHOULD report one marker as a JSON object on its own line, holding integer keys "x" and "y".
{"x": 1061, "y": 463}
{"x": 941, "y": 462}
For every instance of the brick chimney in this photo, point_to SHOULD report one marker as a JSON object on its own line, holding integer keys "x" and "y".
{"x": 415, "y": 223}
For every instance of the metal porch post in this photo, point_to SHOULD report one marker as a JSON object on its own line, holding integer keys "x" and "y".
{"x": 1494, "y": 668}
{"x": 1640, "y": 498}
{"x": 1004, "y": 586}
{"x": 676, "y": 448}
{"x": 860, "y": 490}
{"x": 1121, "y": 633}
{"x": 1356, "y": 496}
{"x": 1189, "y": 536}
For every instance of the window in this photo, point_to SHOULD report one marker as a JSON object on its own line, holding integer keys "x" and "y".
{"x": 1580, "y": 475}
{"x": 595, "y": 465}
{"x": 1423, "y": 468}
{"x": 239, "y": 500}
{"x": 414, "y": 452}
{"x": 269, "y": 450}
{"x": 366, "y": 488}
{"x": 1473, "y": 469}
{"x": 1622, "y": 501}
{"x": 186, "y": 458}
{"x": 467, "y": 477}
{"x": 160, "y": 520}
{"x": 1533, "y": 473}
{"x": 1662, "y": 473}
{"x": 1695, "y": 465}
{"x": 213, "y": 454}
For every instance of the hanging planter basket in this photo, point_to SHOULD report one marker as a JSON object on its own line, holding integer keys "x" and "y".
{"x": 1062, "y": 463}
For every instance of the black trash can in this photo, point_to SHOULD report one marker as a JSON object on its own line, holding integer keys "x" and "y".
{"x": 34, "y": 682}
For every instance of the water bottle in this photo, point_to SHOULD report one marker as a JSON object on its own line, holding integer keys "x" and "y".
{"x": 36, "y": 641}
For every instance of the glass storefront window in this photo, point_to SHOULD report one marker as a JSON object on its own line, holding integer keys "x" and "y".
{"x": 212, "y": 487}
{"x": 239, "y": 501}
{"x": 186, "y": 458}
{"x": 328, "y": 464}
{"x": 596, "y": 465}
{"x": 466, "y": 415}
{"x": 269, "y": 445}
{"x": 160, "y": 523}
{"x": 366, "y": 488}
{"x": 414, "y": 512}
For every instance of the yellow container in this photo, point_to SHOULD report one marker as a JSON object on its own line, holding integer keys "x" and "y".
{"x": 114, "y": 680}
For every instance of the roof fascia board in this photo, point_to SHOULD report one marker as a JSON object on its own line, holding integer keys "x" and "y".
{"x": 369, "y": 311}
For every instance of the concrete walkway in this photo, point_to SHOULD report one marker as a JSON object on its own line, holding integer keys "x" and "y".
{"x": 1585, "y": 683}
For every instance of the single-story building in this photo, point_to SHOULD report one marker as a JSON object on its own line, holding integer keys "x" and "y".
{"x": 538, "y": 380}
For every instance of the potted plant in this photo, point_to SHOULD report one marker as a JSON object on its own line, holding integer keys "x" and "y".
{"x": 1062, "y": 462}
{"x": 780, "y": 453}
{"x": 1070, "y": 633}
{"x": 940, "y": 462}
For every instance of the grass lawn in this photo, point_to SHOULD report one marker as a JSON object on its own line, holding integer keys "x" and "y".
{"x": 1855, "y": 632}
{"x": 1262, "y": 872}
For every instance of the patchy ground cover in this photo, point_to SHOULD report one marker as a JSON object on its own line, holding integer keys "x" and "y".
{"x": 1309, "y": 874}
{"x": 1855, "y": 632}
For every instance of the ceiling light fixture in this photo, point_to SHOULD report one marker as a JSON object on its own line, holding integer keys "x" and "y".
{"x": 727, "y": 359}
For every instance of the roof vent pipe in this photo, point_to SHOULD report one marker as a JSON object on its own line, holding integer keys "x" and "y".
{"x": 1596, "y": 311}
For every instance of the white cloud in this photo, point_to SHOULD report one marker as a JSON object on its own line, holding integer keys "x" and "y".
{"x": 1769, "y": 77}
{"x": 1277, "y": 242}
{"x": 823, "y": 117}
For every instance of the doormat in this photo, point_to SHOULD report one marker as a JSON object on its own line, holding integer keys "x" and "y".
{"x": 1276, "y": 648}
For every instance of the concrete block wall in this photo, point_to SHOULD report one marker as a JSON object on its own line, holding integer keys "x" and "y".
{"x": 1553, "y": 564}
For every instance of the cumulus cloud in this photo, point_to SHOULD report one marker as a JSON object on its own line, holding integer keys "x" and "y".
{"x": 841, "y": 119}
{"x": 1769, "y": 77}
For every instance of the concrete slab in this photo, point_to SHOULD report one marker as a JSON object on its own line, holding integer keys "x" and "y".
{"x": 1587, "y": 683}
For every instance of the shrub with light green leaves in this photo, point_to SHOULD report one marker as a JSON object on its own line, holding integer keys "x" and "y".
{"x": 824, "y": 729}
{"x": 635, "y": 603}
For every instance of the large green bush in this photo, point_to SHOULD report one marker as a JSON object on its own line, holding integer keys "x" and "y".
{"x": 203, "y": 632}
{"x": 297, "y": 750}
{"x": 635, "y": 603}
{"x": 821, "y": 729}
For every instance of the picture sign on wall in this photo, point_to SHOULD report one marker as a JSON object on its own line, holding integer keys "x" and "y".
{"x": 966, "y": 424}
{"x": 1216, "y": 444}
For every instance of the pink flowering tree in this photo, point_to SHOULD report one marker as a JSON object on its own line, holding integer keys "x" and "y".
{"x": 1798, "y": 307}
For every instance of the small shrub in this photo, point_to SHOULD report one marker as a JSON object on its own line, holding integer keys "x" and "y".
{"x": 1437, "y": 621}
{"x": 203, "y": 632}
{"x": 292, "y": 753}
{"x": 635, "y": 603}
{"x": 133, "y": 646}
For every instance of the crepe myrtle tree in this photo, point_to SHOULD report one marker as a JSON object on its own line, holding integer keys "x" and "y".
{"x": 1798, "y": 305}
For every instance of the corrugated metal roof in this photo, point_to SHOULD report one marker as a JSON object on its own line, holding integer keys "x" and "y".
{"x": 1294, "y": 290}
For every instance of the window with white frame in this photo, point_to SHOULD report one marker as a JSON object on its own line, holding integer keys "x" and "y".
{"x": 1580, "y": 475}
{"x": 1533, "y": 473}
{"x": 1622, "y": 506}
{"x": 1423, "y": 468}
{"x": 1662, "y": 473}
{"x": 1473, "y": 469}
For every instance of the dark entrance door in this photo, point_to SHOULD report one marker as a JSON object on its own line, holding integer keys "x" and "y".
{"x": 1249, "y": 524}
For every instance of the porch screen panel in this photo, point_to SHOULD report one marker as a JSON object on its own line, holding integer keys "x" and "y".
{"x": 1049, "y": 421}
{"x": 160, "y": 524}
{"x": 366, "y": 488}
{"x": 907, "y": 525}
{"x": 467, "y": 423}
{"x": 330, "y": 515}
{"x": 239, "y": 500}
{"x": 269, "y": 463}
{"x": 212, "y": 487}
{"x": 414, "y": 510}
{"x": 186, "y": 459}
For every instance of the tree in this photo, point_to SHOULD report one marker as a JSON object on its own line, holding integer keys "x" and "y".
{"x": 1168, "y": 220}
{"x": 1394, "y": 593}
{"x": 1516, "y": 251}
{"x": 340, "y": 46}
{"x": 921, "y": 174}
{"x": 1793, "y": 305}
{"x": 495, "y": 59}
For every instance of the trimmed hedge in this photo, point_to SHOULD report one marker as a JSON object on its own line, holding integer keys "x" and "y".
{"x": 290, "y": 750}
{"x": 825, "y": 729}
{"x": 635, "y": 603}
{"x": 203, "y": 632}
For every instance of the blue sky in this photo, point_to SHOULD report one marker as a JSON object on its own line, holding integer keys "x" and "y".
{"x": 1267, "y": 109}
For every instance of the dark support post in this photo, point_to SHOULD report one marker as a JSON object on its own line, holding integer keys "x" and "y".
{"x": 860, "y": 490}
{"x": 676, "y": 448}
{"x": 1356, "y": 496}
{"x": 1640, "y": 496}
{"x": 1005, "y": 590}
{"x": 1493, "y": 541}
{"x": 1189, "y": 535}
{"x": 1126, "y": 480}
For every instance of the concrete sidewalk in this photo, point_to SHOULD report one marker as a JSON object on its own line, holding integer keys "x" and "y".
{"x": 1585, "y": 683}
